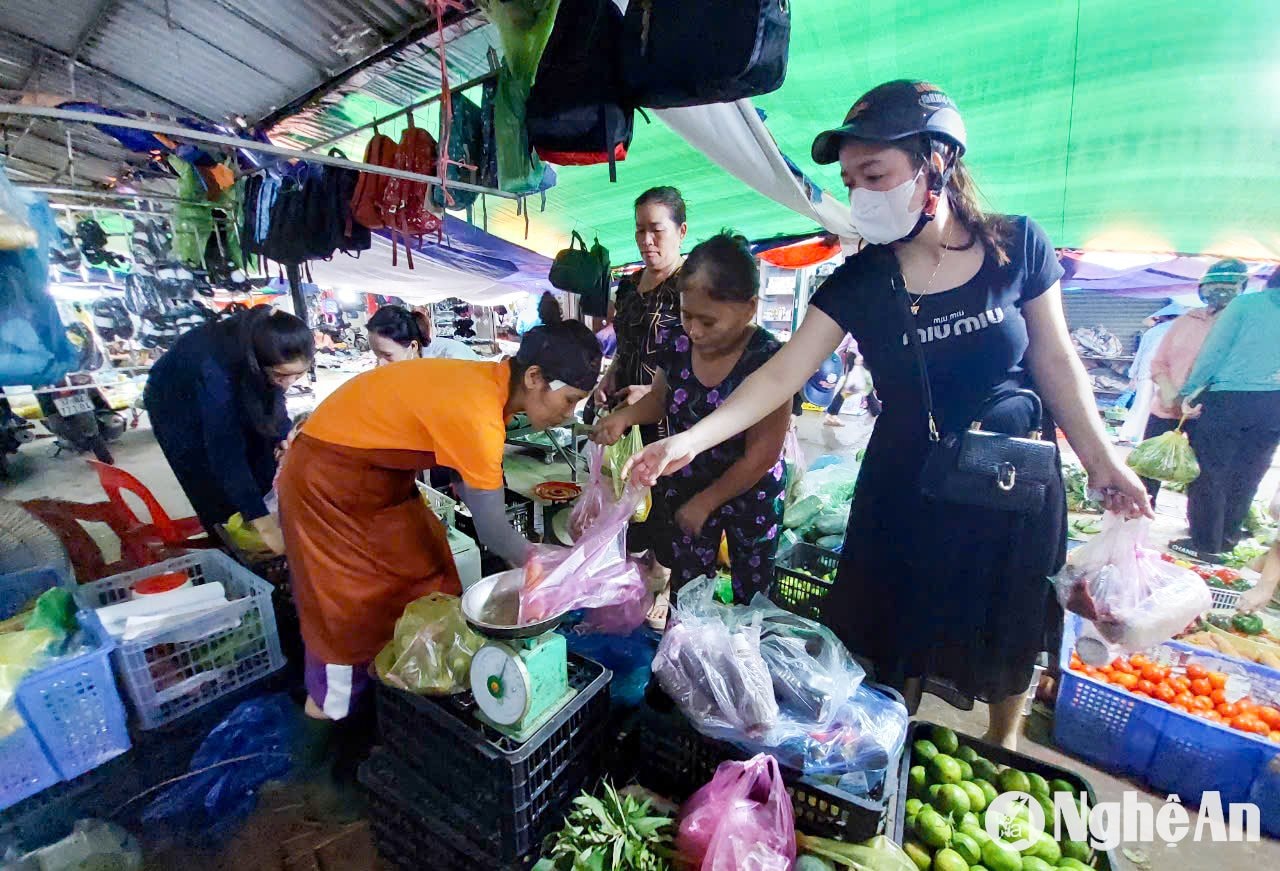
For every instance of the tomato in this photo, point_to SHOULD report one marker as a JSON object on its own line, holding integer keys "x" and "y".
{"x": 1155, "y": 673}
{"x": 1212, "y": 716}
{"x": 1195, "y": 672}
{"x": 1275, "y": 735}
{"x": 1165, "y": 693}
{"x": 1076, "y": 661}
{"x": 1184, "y": 700}
{"x": 1145, "y": 687}
{"x": 1217, "y": 679}
{"x": 1230, "y": 710}
{"x": 1201, "y": 686}
{"x": 1219, "y": 697}
{"x": 1180, "y": 684}
{"x": 1122, "y": 666}
{"x": 1270, "y": 716}
{"x": 1248, "y": 723}
{"x": 1139, "y": 661}
{"x": 1128, "y": 681}
{"x": 1095, "y": 673}
{"x": 1141, "y": 693}
{"x": 1202, "y": 703}
{"x": 1247, "y": 706}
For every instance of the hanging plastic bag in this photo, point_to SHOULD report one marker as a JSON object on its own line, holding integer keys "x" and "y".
{"x": 811, "y": 670}
{"x": 243, "y": 536}
{"x": 1134, "y": 599}
{"x": 713, "y": 670}
{"x": 793, "y": 457}
{"x": 616, "y": 458}
{"x": 741, "y": 821}
{"x": 430, "y": 652}
{"x": 595, "y": 496}
{"x": 1167, "y": 457}
{"x": 594, "y": 573}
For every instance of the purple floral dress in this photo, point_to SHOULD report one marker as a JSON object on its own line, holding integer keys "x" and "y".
{"x": 753, "y": 521}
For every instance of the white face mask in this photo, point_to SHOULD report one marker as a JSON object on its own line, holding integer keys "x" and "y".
{"x": 882, "y": 217}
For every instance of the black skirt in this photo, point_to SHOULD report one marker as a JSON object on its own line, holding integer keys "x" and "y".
{"x": 957, "y": 593}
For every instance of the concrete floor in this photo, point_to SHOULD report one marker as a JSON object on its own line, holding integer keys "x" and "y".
{"x": 36, "y": 473}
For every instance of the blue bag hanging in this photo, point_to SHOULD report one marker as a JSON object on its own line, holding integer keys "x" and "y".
{"x": 33, "y": 343}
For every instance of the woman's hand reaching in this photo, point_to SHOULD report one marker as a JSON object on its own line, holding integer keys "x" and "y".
{"x": 660, "y": 458}
{"x": 1122, "y": 490}
{"x": 610, "y": 428}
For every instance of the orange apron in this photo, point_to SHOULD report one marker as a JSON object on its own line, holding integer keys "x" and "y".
{"x": 361, "y": 543}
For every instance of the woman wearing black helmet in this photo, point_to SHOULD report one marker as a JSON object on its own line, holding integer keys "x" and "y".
{"x": 927, "y": 586}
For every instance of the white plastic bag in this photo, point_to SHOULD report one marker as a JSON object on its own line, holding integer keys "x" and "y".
{"x": 1134, "y": 599}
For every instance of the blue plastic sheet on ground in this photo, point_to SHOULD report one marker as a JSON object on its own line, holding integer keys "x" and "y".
{"x": 242, "y": 753}
{"x": 629, "y": 657}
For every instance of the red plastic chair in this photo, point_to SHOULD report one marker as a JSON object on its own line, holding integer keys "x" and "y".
{"x": 186, "y": 532}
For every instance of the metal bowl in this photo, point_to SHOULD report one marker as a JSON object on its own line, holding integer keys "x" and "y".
{"x": 492, "y": 607}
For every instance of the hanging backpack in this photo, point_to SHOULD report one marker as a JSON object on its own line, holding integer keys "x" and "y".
{"x": 366, "y": 201}
{"x": 466, "y": 154}
{"x": 580, "y": 270}
{"x": 330, "y": 226}
{"x": 694, "y": 52}
{"x": 576, "y": 114}
{"x": 286, "y": 240}
{"x": 111, "y": 320}
{"x": 404, "y": 202}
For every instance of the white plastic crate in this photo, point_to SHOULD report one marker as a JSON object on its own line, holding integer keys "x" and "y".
{"x": 1225, "y": 600}
{"x": 442, "y": 505}
{"x": 187, "y": 665}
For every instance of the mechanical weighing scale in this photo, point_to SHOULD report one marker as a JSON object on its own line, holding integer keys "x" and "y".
{"x": 520, "y": 678}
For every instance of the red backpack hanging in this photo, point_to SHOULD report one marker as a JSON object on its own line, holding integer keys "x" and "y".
{"x": 366, "y": 201}
{"x": 404, "y": 202}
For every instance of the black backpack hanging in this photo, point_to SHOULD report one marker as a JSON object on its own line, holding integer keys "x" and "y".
{"x": 327, "y": 204}
{"x": 286, "y": 240}
{"x": 693, "y": 52}
{"x": 576, "y": 114}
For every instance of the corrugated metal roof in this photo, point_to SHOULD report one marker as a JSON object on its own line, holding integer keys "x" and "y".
{"x": 213, "y": 59}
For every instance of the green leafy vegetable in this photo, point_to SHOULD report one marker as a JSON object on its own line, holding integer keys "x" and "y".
{"x": 1077, "y": 486}
{"x": 611, "y": 833}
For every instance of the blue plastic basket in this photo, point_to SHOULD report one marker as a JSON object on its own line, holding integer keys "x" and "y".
{"x": 1170, "y": 750}
{"x": 176, "y": 670}
{"x": 25, "y": 769}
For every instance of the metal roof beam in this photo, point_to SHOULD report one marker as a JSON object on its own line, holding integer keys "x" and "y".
{"x": 181, "y": 132}
{"x": 116, "y": 77}
{"x": 95, "y": 22}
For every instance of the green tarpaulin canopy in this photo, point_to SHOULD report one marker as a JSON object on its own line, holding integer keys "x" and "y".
{"x": 1144, "y": 125}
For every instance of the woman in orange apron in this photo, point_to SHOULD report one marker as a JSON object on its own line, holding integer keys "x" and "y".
{"x": 361, "y": 543}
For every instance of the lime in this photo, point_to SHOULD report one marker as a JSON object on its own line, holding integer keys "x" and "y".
{"x": 1058, "y": 785}
{"x": 977, "y": 832}
{"x": 944, "y": 769}
{"x": 949, "y": 860}
{"x": 913, "y": 806}
{"x": 1046, "y": 805}
{"x": 977, "y": 868}
{"x": 933, "y": 790}
{"x": 966, "y": 770}
{"x": 1013, "y": 780}
{"x": 917, "y": 780}
{"x": 969, "y": 819}
{"x": 918, "y": 853}
{"x": 984, "y": 769}
{"x": 1045, "y": 848}
{"x": 977, "y": 798}
{"x": 1032, "y": 863}
{"x": 1039, "y": 786}
{"x": 967, "y": 753}
{"x": 1073, "y": 865}
{"x": 967, "y": 846}
{"x": 998, "y": 857}
{"x": 923, "y": 751}
{"x": 945, "y": 740}
{"x": 988, "y": 790}
{"x": 952, "y": 799}
{"x": 1077, "y": 850}
{"x": 932, "y": 829}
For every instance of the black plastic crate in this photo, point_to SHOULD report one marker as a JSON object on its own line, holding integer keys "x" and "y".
{"x": 410, "y": 835}
{"x": 916, "y": 729}
{"x": 501, "y": 795}
{"x": 799, "y": 585}
{"x": 678, "y": 760}
{"x": 519, "y": 512}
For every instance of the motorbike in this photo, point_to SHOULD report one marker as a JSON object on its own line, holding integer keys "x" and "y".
{"x": 77, "y": 413}
{"x": 14, "y": 433}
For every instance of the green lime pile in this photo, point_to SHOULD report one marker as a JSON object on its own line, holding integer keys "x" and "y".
{"x": 949, "y": 790}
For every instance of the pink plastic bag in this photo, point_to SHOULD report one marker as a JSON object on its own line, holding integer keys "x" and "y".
{"x": 741, "y": 821}
{"x": 1134, "y": 599}
{"x": 595, "y": 496}
{"x": 594, "y": 573}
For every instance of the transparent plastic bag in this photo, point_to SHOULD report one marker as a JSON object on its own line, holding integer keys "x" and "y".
{"x": 865, "y": 735}
{"x": 594, "y": 573}
{"x": 1134, "y": 599}
{"x": 741, "y": 821}
{"x": 595, "y": 495}
{"x": 431, "y": 650}
{"x": 1167, "y": 457}
{"x": 714, "y": 671}
{"x": 811, "y": 670}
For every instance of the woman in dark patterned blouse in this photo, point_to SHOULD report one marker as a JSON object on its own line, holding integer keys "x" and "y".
{"x": 736, "y": 488}
{"x": 647, "y": 306}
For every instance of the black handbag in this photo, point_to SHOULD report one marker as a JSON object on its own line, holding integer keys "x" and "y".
{"x": 981, "y": 468}
{"x": 578, "y": 269}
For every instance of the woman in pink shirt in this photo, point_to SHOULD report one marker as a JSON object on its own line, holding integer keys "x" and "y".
{"x": 1180, "y": 346}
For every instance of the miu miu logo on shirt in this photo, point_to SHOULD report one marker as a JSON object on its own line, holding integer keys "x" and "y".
{"x": 958, "y": 326}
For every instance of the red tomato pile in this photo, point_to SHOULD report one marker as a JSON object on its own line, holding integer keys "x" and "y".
{"x": 1198, "y": 691}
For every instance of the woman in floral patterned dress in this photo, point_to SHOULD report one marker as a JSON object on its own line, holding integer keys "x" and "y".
{"x": 737, "y": 489}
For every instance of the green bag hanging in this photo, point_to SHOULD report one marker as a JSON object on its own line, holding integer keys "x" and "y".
{"x": 1168, "y": 457}
{"x": 524, "y": 27}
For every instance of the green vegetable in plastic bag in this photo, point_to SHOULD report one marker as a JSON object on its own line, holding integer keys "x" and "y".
{"x": 431, "y": 650}
{"x": 1166, "y": 457}
{"x": 830, "y": 542}
{"x": 802, "y": 514}
{"x": 877, "y": 854}
{"x": 833, "y": 522}
{"x": 618, "y": 454}
{"x": 243, "y": 536}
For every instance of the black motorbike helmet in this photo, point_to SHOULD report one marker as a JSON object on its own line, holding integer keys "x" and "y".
{"x": 900, "y": 110}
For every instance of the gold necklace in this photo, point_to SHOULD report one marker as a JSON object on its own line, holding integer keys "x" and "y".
{"x": 915, "y": 303}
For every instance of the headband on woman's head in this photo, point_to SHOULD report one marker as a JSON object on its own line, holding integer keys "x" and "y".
{"x": 560, "y": 361}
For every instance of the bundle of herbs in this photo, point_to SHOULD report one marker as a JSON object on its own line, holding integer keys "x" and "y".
{"x": 612, "y": 832}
